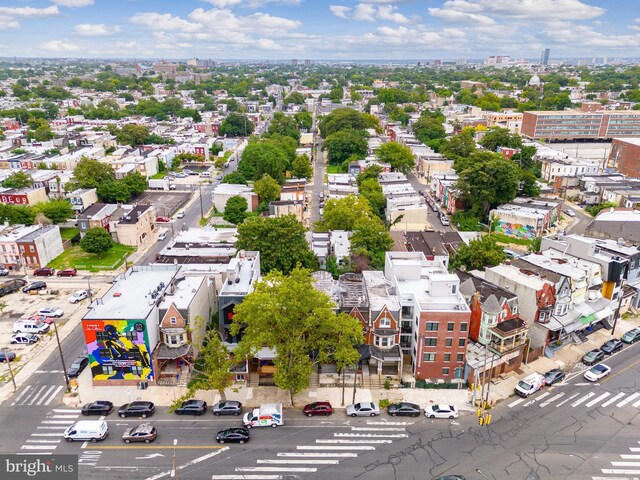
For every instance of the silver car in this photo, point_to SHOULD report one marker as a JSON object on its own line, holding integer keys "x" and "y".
{"x": 363, "y": 409}
{"x": 229, "y": 407}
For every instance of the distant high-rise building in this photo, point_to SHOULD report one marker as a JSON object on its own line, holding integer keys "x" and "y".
{"x": 294, "y": 61}
{"x": 544, "y": 58}
{"x": 307, "y": 62}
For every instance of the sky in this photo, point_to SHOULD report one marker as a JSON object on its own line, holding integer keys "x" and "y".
{"x": 318, "y": 29}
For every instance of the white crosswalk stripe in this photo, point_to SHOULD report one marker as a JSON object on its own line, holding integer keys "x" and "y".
{"x": 629, "y": 399}
{"x": 567, "y": 399}
{"x": 376, "y": 429}
{"x": 277, "y": 469}
{"x": 316, "y": 454}
{"x": 42, "y": 395}
{"x": 335, "y": 447}
{"x": 353, "y": 441}
{"x": 246, "y": 477}
{"x": 597, "y": 400}
{"x": 613, "y": 400}
{"x": 390, "y": 424}
{"x": 48, "y": 435}
{"x": 583, "y": 399}
{"x": 299, "y": 461}
{"x": 372, "y": 435}
{"x": 517, "y": 402}
{"x": 551, "y": 400}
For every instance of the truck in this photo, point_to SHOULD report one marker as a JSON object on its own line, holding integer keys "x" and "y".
{"x": 530, "y": 385}
{"x": 161, "y": 184}
{"x": 268, "y": 414}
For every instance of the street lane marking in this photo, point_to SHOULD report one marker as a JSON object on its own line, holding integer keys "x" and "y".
{"x": 335, "y": 447}
{"x": 277, "y": 469}
{"x": 188, "y": 464}
{"x": 583, "y": 399}
{"x": 568, "y": 399}
{"x": 597, "y": 399}
{"x": 628, "y": 399}
{"x": 517, "y": 402}
{"x": 64, "y": 427}
{"x": 45, "y": 434}
{"x": 131, "y": 447}
{"x": 64, "y": 416}
{"x": 376, "y": 429}
{"x": 631, "y": 457}
{"x": 45, "y": 395}
{"x": 26, "y": 389}
{"x": 537, "y": 399}
{"x": 53, "y": 395}
{"x": 37, "y": 447}
{"x": 246, "y": 477}
{"x": 296, "y": 461}
{"x": 612, "y": 400}
{"x": 632, "y": 449}
{"x": 58, "y": 422}
{"x": 637, "y": 404}
{"x": 354, "y": 441}
{"x": 389, "y": 423}
{"x": 372, "y": 435}
{"x": 34, "y": 453}
{"x": 34, "y": 397}
{"x": 43, "y": 441}
{"x": 618, "y": 373}
{"x": 551, "y": 400}
{"x": 625, "y": 464}
{"x": 620, "y": 471}
{"x": 65, "y": 410}
{"x": 316, "y": 454}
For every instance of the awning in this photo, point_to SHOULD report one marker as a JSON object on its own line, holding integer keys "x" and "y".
{"x": 588, "y": 319}
{"x": 266, "y": 354}
{"x": 604, "y": 313}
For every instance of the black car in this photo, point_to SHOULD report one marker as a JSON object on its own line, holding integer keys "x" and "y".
{"x": 233, "y": 435}
{"x": 612, "y": 346}
{"x": 593, "y": 356}
{"x": 77, "y": 366}
{"x": 34, "y": 286}
{"x": 192, "y": 407}
{"x": 451, "y": 477}
{"x": 230, "y": 407}
{"x": 554, "y": 376}
{"x": 137, "y": 409}
{"x": 403, "y": 409}
{"x": 7, "y": 356}
{"x": 99, "y": 407}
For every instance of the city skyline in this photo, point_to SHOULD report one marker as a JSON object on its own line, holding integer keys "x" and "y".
{"x": 283, "y": 29}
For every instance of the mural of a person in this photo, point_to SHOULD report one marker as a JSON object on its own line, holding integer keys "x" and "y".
{"x": 114, "y": 344}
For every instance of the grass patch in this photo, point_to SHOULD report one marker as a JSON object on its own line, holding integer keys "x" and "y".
{"x": 159, "y": 175}
{"x": 68, "y": 233}
{"x": 333, "y": 169}
{"x": 500, "y": 238}
{"x": 77, "y": 258}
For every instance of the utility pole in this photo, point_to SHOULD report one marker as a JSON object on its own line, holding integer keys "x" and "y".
{"x": 484, "y": 374}
{"x": 615, "y": 320}
{"x": 64, "y": 367}
{"x": 201, "y": 205}
{"x": 490, "y": 376}
{"x": 8, "y": 359}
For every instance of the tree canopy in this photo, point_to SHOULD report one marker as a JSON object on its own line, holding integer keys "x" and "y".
{"x": 345, "y": 144}
{"x": 301, "y": 167}
{"x": 96, "y": 240}
{"x": 397, "y": 155}
{"x": 284, "y": 125}
{"x": 480, "y": 253}
{"x": 235, "y": 210}
{"x": 236, "y": 125}
{"x": 261, "y": 158}
{"x": 18, "y": 179}
{"x": 267, "y": 188}
{"x": 346, "y": 119}
{"x": 500, "y": 137}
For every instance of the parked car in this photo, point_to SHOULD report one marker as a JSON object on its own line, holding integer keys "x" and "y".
{"x": 99, "y": 407}
{"x": 163, "y": 219}
{"x": 44, "y": 272}
{"x": 34, "y": 286}
{"x": 6, "y": 356}
{"x": 441, "y": 411}
{"x": 51, "y": 312}
{"x": 434, "y": 207}
{"x": 192, "y": 407}
{"x": 611, "y": 346}
{"x": 180, "y": 214}
{"x": 593, "y": 356}
{"x": 444, "y": 220}
{"x": 632, "y": 336}
{"x": 24, "y": 338}
{"x": 233, "y": 435}
{"x": 137, "y": 409}
{"x": 67, "y": 272}
{"x": 4, "y": 272}
{"x": 403, "y": 409}
{"x": 363, "y": 409}
{"x": 318, "y": 408}
{"x": 145, "y": 432}
{"x": 228, "y": 407}
{"x": 554, "y": 376}
{"x": 597, "y": 372}
{"x": 569, "y": 212}
{"x": 530, "y": 384}
{"x": 77, "y": 366}
{"x": 41, "y": 318}
{"x": 79, "y": 295}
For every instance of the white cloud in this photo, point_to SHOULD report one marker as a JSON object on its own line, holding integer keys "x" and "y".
{"x": 456, "y": 16}
{"x": 73, "y": 3}
{"x": 8, "y": 22}
{"x": 249, "y": 3}
{"x": 59, "y": 46}
{"x": 340, "y": 10}
{"x": 224, "y": 3}
{"x": 264, "y": 21}
{"x": 164, "y": 22}
{"x": 636, "y": 24}
{"x": 527, "y": 9}
{"x": 95, "y": 29}
{"x": 391, "y": 14}
{"x": 586, "y": 36}
{"x": 267, "y": 44}
{"x": 366, "y": 12}
{"x": 29, "y": 12}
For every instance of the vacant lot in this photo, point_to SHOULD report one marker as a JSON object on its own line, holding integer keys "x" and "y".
{"x": 77, "y": 258}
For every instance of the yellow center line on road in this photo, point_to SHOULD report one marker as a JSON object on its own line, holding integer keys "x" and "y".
{"x": 127, "y": 447}
{"x": 618, "y": 373}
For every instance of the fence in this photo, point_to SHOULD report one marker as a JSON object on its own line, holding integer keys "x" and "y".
{"x": 442, "y": 386}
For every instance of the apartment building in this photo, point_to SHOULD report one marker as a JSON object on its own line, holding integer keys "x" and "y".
{"x": 625, "y": 156}
{"x": 568, "y": 125}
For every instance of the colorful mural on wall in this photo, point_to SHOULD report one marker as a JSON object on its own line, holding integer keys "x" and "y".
{"x": 118, "y": 349}
{"x": 517, "y": 230}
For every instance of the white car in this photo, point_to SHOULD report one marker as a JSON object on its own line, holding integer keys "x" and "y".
{"x": 363, "y": 409}
{"x": 569, "y": 212}
{"x": 441, "y": 411}
{"x": 51, "y": 312}
{"x": 79, "y": 295}
{"x": 597, "y": 372}
{"x": 180, "y": 214}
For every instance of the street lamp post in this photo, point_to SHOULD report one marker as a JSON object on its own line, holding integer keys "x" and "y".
{"x": 174, "y": 469}
{"x": 64, "y": 367}
{"x": 8, "y": 359}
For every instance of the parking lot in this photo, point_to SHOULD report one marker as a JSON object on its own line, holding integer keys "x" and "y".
{"x": 166, "y": 202}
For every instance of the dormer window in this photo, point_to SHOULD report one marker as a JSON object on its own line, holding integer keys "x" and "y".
{"x": 173, "y": 320}
{"x": 385, "y": 322}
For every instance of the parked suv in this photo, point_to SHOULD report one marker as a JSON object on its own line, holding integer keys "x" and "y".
{"x": 34, "y": 286}
{"x": 631, "y": 336}
{"x": 44, "y": 272}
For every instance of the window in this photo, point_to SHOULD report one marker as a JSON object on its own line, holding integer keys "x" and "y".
{"x": 445, "y": 371}
{"x": 459, "y": 372}
{"x": 463, "y": 327}
{"x": 450, "y": 326}
{"x": 454, "y": 289}
{"x": 432, "y": 326}
{"x": 385, "y": 322}
{"x": 136, "y": 370}
{"x": 131, "y": 335}
{"x": 173, "y": 320}
{"x": 430, "y": 342}
{"x": 31, "y": 249}
{"x": 462, "y": 342}
{"x": 460, "y": 357}
{"x": 447, "y": 357}
{"x": 429, "y": 357}
{"x": 384, "y": 341}
{"x": 448, "y": 342}
{"x": 107, "y": 369}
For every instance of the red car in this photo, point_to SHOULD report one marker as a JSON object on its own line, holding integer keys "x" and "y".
{"x": 163, "y": 219}
{"x": 44, "y": 272}
{"x": 41, "y": 318}
{"x": 67, "y": 272}
{"x": 318, "y": 408}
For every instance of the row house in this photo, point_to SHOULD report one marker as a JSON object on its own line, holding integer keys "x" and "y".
{"x": 526, "y": 217}
{"x": 136, "y": 225}
{"x": 443, "y": 189}
{"x": 82, "y": 198}
{"x": 23, "y": 196}
{"x": 96, "y": 215}
{"x": 147, "y": 166}
{"x": 33, "y": 246}
{"x": 293, "y": 190}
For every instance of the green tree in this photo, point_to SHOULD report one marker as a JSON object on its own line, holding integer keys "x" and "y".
{"x": 267, "y": 188}
{"x": 459, "y": 146}
{"x": 259, "y": 158}
{"x": 135, "y": 183}
{"x": 57, "y": 211}
{"x": 91, "y": 173}
{"x": 289, "y": 315}
{"x": 113, "y": 191}
{"x": 480, "y": 253}
{"x": 500, "y": 137}
{"x": 346, "y": 119}
{"x": 235, "y": 210}
{"x": 344, "y": 213}
{"x": 371, "y": 237}
{"x": 301, "y": 167}
{"x": 344, "y": 144}
{"x": 397, "y": 155}
{"x": 280, "y": 240}
{"x": 96, "y": 240}
{"x": 236, "y": 125}
{"x": 212, "y": 370}
{"x": 294, "y": 98}
{"x": 132, "y": 134}
{"x": 284, "y": 125}
{"x": 304, "y": 120}
{"x": 427, "y": 128}
{"x": 235, "y": 178}
{"x": 528, "y": 184}
{"x": 370, "y": 189}
{"x": 535, "y": 245}
{"x": 594, "y": 210}
{"x": 18, "y": 179}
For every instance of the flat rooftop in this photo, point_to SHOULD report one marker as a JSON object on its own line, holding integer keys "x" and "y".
{"x": 183, "y": 294}
{"x": 128, "y": 297}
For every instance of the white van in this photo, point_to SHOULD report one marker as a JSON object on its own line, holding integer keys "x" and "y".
{"x": 30, "y": 326}
{"x": 530, "y": 385}
{"x": 85, "y": 430}
{"x": 205, "y": 174}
